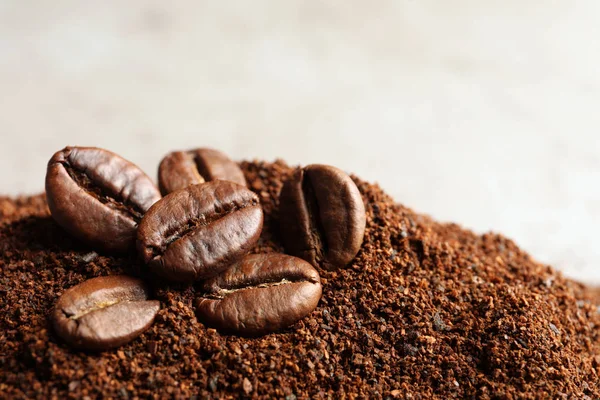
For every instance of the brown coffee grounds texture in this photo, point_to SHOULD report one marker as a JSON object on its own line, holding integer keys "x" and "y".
{"x": 426, "y": 310}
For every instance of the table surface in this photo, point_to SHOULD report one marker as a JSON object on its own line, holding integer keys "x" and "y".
{"x": 483, "y": 113}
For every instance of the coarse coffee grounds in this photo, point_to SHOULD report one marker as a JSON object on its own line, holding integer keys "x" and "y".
{"x": 426, "y": 310}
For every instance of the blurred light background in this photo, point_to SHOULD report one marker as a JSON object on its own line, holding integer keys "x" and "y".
{"x": 479, "y": 112}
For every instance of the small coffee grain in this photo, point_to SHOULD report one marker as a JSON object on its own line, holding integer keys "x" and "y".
{"x": 98, "y": 196}
{"x": 197, "y": 232}
{"x": 260, "y": 294}
{"x": 323, "y": 216}
{"x": 104, "y": 312}
{"x": 426, "y": 310}
{"x": 180, "y": 169}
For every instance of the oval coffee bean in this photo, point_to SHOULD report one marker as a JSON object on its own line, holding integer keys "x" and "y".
{"x": 104, "y": 312}
{"x": 262, "y": 293}
{"x": 183, "y": 168}
{"x": 196, "y": 232}
{"x": 98, "y": 196}
{"x": 322, "y": 216}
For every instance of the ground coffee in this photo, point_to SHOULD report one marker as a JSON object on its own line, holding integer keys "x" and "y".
{"x": 426, "y": 310}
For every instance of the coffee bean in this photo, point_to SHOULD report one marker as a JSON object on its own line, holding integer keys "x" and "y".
{"x": 198, "y": 231}
{"x": 104, "y": 312}
{"x": 262, "y": 293}
{"x": 183, "y": 168}
{"x": 322, "y": 216}
{"x": 98, "y": 196}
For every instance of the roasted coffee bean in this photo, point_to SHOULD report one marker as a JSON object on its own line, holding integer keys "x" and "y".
{"x": 104, "y": 312}
{"x": 322, "y": 216}
{"x": 98, "y": 196}
{"x": 262, "y": 293}
{"x": 198, "y": 231}
{"x": 183, "y": 168}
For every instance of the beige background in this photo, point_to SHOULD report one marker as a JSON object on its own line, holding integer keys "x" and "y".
{"x": 483, "y": 112}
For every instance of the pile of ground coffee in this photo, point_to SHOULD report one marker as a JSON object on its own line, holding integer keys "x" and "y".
{"x": 425, "y": 310}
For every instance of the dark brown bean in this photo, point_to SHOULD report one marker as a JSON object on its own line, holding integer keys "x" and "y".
{"x": 104, "y": 312}
{"x": 262, "y": 293}
{"x": 196, "y": 232}
{"x": 180, "y": 169}
{"x": 322, "y": 216}
{"x": 98, "y": 196}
